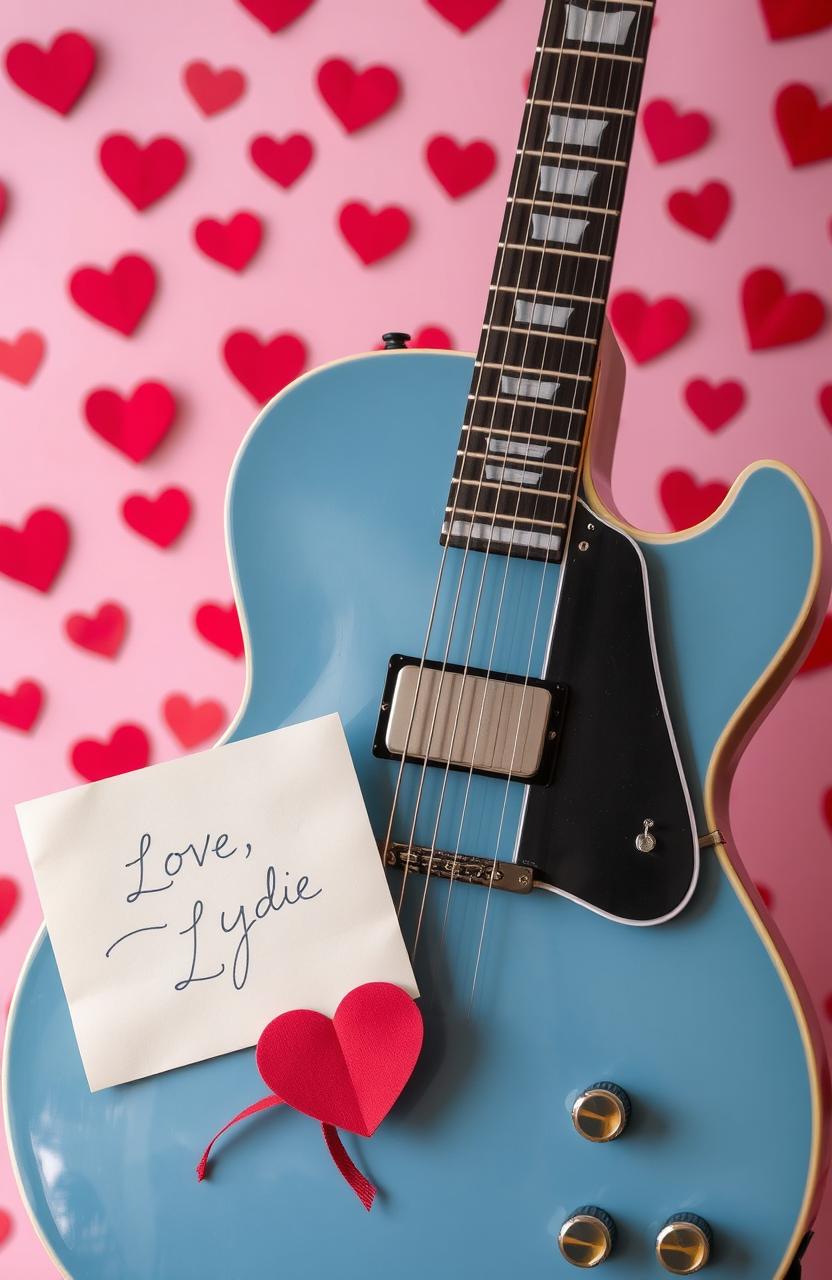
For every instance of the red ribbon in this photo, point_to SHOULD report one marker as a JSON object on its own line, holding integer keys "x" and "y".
{"x": 362, "y": 1186}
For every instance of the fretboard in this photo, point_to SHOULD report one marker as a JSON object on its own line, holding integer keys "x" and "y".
{"x": 516, "y": 475}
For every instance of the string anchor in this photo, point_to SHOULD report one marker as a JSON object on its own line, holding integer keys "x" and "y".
{"x": 645, "y": 842}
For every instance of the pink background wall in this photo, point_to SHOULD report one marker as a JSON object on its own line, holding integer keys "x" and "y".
{"x": 64, "y": 213}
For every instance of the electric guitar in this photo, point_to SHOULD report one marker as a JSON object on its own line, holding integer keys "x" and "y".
{"x": 545, "y": 707}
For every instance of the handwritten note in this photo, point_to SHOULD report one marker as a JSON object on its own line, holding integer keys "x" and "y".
{"x": 190, "y": 903}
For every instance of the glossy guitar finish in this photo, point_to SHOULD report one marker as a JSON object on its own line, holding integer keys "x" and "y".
{"x": 334, "y": 510}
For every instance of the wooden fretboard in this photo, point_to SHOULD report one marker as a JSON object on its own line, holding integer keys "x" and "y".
{"x": 517, "y": 466}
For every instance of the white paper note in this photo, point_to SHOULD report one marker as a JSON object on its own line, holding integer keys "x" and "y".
{"x": 190, "y": 903}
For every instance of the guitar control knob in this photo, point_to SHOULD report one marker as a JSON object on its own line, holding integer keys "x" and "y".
{"x": 587, "y": 1237}
{"x": 601, "y": 1112}
{"x": 395, "y": 341}
{"x": 683, "y": 1246}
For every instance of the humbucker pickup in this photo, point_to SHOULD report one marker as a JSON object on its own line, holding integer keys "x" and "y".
{"x": 467, "y": 718}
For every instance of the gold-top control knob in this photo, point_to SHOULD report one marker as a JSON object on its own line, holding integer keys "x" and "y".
{"x": 601, "y": 1112}
{"x": 587, "y": 1237}
{"x": 683, "y": 1246}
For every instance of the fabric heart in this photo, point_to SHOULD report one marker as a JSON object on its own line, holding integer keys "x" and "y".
{"x": 786, "y": 18}
{"x": 136, "y": 425}
{"x": 357, "y": 98}
{"x": 5, "y": 1226}
{"x": 161, "y": 519}
{"x": 193, "y": 722}
{"x": 432, "y": 338}
{"x": 774, "y": 318}
{"x": 648, "y": 328}
{"x": 264, "y": 368}
{"x": 220, "y": 626}
{"x": 282, "y": 161}
{"x": 276, "y": 14}
{"x": 460, "y": 168}
{"x": 101, "y": 632}
{"x": 714, "y": 404}
{"x": 34, "y": 554}
{"x": 686, "y": 501}
{"x": 142, "y": 173}
{"x": 805, "y": 126}
{"x": 118, "y": 298}
{"x": 672, "y": 134}
{"x": 127, "y": 748}
{"x": 232, "y": 243}
{"x": 9, "y": 894}
{"x": 373, "y": 236}
{"x": 213, "y": 91}
{"x": 56, "y": 76}
{"x": 20, "y": 359}
{"x": 703, "y": 212}
{"x": 464, "y": 14}
{"x": 819, "y": 656}
{"x": 825, "y": 402}
{"x": 21, "y": 708}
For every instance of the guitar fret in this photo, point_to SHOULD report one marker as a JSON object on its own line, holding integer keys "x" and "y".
{"x": 590, "y": 53}
{"x": 542, "y": 248}
{"x": 581, "y": 106}
{"x": 545, "y": 293}
{"x": 518, "y": 368}
{"x": 542, "y": 333}
{"x": 563, "y": 155}
{"x": 505, "y": 487}
{"x": 562, "y": 204}
{"x": 525, "y": 404}
{"x": 466, "y": 511}
{"x": 520, "y": 435}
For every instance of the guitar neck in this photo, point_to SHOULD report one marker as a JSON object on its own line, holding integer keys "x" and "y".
{"x": 517, "y": 466}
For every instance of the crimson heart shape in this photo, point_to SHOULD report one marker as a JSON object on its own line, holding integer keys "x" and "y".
{"x": 357, "y": 98}
{"x": 686, "y": 501}
{"x": 460, "y": 168}
{"x": 787, "y": 18}
{"x": 220, "y": 626}
{"x": 827, "y": 808}
{"x": 127, "y": 748}
{"x": 673, "y": 134}
{"x": 193, "y": 722}
{"x": 21, "y": 708}
{"x": 35, "y": 553}
{"x": 101, "y": 632}
{"x": 213, "y": 91}
{"x": 160, "y": 519}
{"x": 714, "y": 404}
{"x": 9, "y": 894}
{"x": 56, "y": 76}
{"x": 5, "y": 1226}
{"x": 118, "y": 298}
{"x": 264, "y": 368}
{"x": 825, "y": 402}
{"x": 20, "y": 359}
{"x": 464, "y": 14}
{"x": 805, "y": 126}
{"x": 347, "y": 1070}
{"x": 373, "y": 235}
{"x": 703, "y": 212}
{"x": 284, "y": 161}
{"x": 135, "y": 425}
{"x": 775, "y": 318}
{"x": 276, "y": 14}
{"x": 819, "y": 656}
{"x": 648, "y": 328}
{"x": 4, "y": 199}
{"x": 142, "y": 173}
{"x": 432, "y": 338}
{"x": 233, "y": 243}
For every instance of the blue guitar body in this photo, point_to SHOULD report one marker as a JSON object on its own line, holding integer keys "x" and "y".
{"x": 334, "y": 511}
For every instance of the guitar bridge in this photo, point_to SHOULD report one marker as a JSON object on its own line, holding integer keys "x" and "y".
{"x": 511, "y": 876}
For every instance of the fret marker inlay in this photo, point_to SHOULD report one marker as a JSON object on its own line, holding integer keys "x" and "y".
{"x": 598, "y": 28}
{"x": 561, "y": 181}
{"x": 545, "y": 315}
{"x": 559, "y": 230}
{"x": 534, "y": 452}
{"x": 496, "y": 533}
{"x": 575, "y": 131}
{"x": 528, "y": 388}
{"x": 511, "y": 475}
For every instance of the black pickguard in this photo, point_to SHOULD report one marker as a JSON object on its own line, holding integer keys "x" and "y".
{"x": 616, "y": 764}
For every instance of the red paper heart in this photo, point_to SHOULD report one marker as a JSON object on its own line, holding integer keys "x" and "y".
{"x": 703, "y": 212}
{"x": 5, "y": 1226}
{"x": 127, "y": 748}
{"x": 142, "y": 173}
{"x": 786, "y": 18}
{"x": 56, "y": 76}
{"x": 284, "y": 161}
{"x": 357, "y": 98}
{"x": 193, "y": 722}
{"x": 9, "y": 894}
{"x": 101, "y": 632}
{"x": 714, "y": 404}
{"x": 4, "y": 199}
{"x": 232, "y": 243}
{"x": 774, "y": 318}
{"x": 825, "y": 402}
{"x": 264, "y": 368}
{"x": 136, "y": 425}
{"x": 276, "y": 14}
{"x": 805, "y": 126}
{"x": 220, "y": 626}
{"x": 373, "y": 235}
{"x": 460, "y": 168}
{"x": 686, "y": 501}
{"x": 118, "y": 298}
{"x": 21, "y": 708}
{"x": 766, "y": 894}
{"x": 673, "y": 134}
{"x": 432, "y": 338}
{"x": 213, "y": 91}
{"x": 819, "y": 656}
{"x": 348, "y": 1070}
{"x": 827, "y": 808}
{"x": 463, "y": 14}
{"x": 20, "y": 359}
{"x": 159, "y": 519}
{"x": 648, "y": 328}
{"x": 35, "y": 553}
